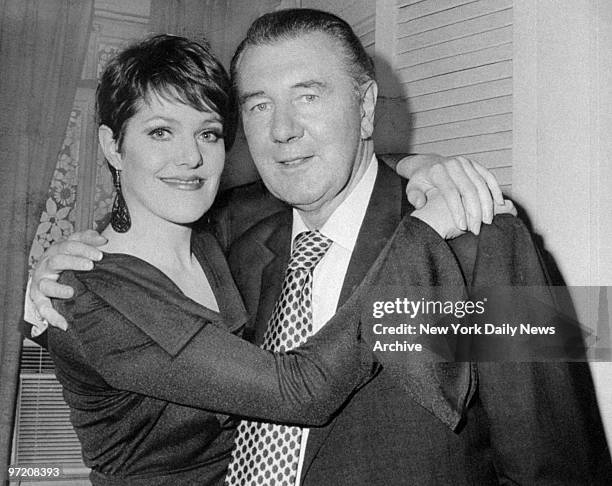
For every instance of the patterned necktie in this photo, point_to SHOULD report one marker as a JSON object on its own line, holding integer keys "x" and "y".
{"x": 269, "y": 454}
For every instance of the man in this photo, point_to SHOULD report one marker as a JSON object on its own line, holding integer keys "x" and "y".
{"x": 307, "y": 95}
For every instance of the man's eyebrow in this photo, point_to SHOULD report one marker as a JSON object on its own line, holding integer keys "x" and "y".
{"x": 242, "y": 99}
{"x": 311, "y": 83}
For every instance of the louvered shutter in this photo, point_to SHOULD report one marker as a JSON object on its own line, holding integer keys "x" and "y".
{"x": 453, "y": 61}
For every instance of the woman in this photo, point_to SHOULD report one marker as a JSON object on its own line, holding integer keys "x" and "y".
{"x": 150, "y": 361}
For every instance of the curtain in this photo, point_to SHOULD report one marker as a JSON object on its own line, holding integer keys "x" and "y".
{"x": 42, "y": 48}
{"x": 222, "y": 23}
{"x": 189, "y": 18}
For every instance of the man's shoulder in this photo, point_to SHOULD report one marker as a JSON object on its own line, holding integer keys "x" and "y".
{"x": 506, "y": 234}
{"x": 503, "y": 253}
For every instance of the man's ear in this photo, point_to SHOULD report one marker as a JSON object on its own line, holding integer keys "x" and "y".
{"x": 109, "y": 147}
{"x": 369, "y": 94}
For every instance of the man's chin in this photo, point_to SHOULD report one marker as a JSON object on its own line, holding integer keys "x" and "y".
{"x": 297, "y": 198}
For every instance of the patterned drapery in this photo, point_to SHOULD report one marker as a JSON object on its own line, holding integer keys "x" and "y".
{"x": 42, "y": 46}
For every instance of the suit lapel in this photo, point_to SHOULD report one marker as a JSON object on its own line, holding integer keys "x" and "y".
{"x": 279, "y": 246}
{"x": 383, "y": 214}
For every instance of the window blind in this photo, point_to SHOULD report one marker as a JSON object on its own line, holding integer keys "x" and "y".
{"x": 43, "y": 432}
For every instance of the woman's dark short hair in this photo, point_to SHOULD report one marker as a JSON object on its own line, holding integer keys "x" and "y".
{"x": 293, "y": 22}
{"x": 172, "y": 67}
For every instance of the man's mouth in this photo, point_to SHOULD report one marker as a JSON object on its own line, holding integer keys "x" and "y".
{"x": 184, "y": 184}
{"x": 294, "y": 161}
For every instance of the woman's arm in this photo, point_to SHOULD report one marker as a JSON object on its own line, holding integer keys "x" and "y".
{"x": 215, "y": 369}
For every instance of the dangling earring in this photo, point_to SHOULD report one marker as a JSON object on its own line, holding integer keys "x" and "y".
{"x": 120, "y": 216}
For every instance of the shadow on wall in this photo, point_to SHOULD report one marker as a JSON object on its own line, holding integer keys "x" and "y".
{"x": 393, "y": 121}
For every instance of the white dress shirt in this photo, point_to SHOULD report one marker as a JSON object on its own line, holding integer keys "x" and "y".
{"x": 342, "y": 228}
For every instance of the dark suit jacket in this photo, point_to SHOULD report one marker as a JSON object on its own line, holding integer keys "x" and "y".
{"x": 454, "y": 423}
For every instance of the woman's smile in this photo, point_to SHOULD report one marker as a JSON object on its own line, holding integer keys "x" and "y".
{"x": 184, "y": 183}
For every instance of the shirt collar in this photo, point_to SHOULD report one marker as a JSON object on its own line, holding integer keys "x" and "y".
{"x": 343, "y": 226}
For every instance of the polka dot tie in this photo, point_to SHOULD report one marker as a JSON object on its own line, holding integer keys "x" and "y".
{"x": 268, "y": 454}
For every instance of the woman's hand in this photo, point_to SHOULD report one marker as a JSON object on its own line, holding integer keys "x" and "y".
{"x": 435, "y": 213}
{"x": 470, "y": 190}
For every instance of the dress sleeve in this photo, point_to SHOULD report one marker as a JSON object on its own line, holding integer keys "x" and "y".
{"x": 216, "y": 370}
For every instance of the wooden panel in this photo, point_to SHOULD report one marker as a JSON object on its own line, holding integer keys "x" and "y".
{"x": 467, "y": 77}
{"x": 459, "y": 30}
{"x": 506, "y": 189}
{"x": 478, "y": 143}
{"x": 367, "y": 39}
{"x": 472, "y": 43}
{"x": 421, "y": 9}
{"x": 492, "y": 158}
{"x": 452, "y": 16}
{"x": 456, "y": 63}
{"x": 402, "y": 3}
{"x": 466, "y": 128}
{"x": 467, "y": 111}
{"x": 453, "y": 67}
{"x": 503, "y": 176}
{"x": 364, "y": 25}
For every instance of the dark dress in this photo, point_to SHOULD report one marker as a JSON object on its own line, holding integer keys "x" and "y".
{"x": 149, "y": 374}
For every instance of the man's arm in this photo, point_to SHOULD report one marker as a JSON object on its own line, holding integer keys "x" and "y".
{"x": 544, "y": 422}
{"x": 78, "y": 252}
{"x": 545, "y": 426}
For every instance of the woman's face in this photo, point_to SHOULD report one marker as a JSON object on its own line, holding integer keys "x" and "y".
{"x": 171, "y": 161}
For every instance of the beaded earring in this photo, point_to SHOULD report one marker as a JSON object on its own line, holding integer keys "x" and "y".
{"x": 120, "y": 216}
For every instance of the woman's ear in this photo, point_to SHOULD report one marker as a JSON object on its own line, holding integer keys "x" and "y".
{"x": 109, "y": 147}
{"x": 369, "y": 94}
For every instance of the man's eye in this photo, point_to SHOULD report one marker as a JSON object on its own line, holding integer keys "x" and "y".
{"x": 309, "y": 98}
{"x": 260, "y": 107}
{"x": 160, "y": 133}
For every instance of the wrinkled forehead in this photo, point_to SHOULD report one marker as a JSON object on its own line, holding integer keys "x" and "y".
{"x": 313, "y": 53}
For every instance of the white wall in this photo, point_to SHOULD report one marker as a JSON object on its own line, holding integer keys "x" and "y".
{"x": 562, "y": 171}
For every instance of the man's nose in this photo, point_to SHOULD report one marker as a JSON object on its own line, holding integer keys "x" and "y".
{"x": 285, "y": 127}
{"x": 190, "y": 156}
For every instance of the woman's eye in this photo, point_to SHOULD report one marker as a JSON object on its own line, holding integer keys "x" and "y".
{"x": 209, "y": 136}
{"x": 160, "y": 133}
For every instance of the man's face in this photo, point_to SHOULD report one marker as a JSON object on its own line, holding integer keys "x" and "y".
{"x": 304, "y": 119}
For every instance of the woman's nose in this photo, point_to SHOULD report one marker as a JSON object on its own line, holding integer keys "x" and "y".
{"x": 191, "y": 155}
